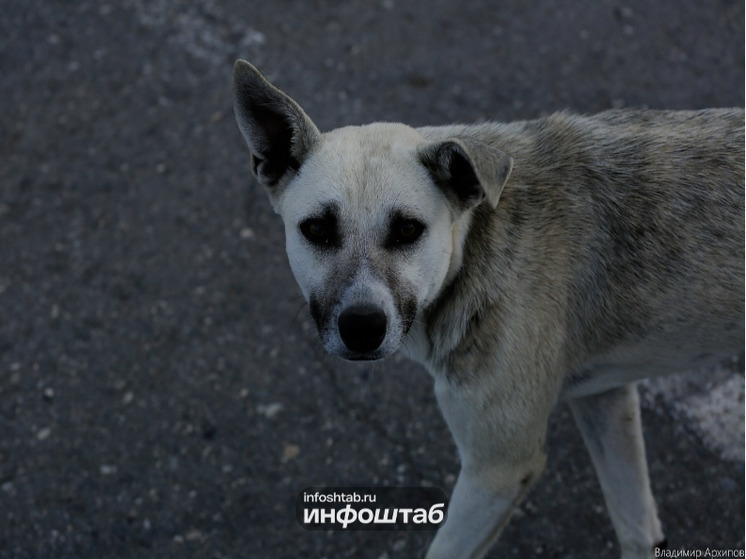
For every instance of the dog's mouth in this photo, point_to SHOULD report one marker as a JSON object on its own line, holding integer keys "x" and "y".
{"x": 377, "y": 355}
{"x": 361, "y": 357}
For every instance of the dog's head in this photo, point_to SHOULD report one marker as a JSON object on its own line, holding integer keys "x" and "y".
{"x": 375, "y": 216}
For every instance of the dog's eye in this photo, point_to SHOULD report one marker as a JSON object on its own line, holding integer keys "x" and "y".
{"x": 404, "y": 231}
{"x": 320, "y": 231}
{"x": 408, "y": 230}
{"x": 317, "y": 230}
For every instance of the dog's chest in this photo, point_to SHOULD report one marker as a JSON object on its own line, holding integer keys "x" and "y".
{"x": 416, "y": 345}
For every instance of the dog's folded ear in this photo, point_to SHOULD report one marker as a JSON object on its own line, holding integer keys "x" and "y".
{"x": 278, "y": 132}
{"x": 467, "y": 170}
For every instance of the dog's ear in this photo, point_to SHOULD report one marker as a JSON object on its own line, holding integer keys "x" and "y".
{"x": 279, "y": 134}
{"x": 467, "y": 170}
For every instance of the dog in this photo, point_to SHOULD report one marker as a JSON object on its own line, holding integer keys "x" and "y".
{"x": 523, "y": 264}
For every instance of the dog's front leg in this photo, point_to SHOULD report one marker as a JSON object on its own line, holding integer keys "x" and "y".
{"x": 479, "y": 509}
{"x": 611, "y": 427}
{"x": 501, "y": 444}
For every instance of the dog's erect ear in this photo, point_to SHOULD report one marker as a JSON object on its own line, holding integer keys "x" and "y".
{"x": 467, "y": 170}
{"x": 278, "y": 132}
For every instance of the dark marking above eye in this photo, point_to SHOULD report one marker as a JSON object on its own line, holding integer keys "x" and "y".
{"x": 322, "y": 230}
{"x": 403, "y": 231}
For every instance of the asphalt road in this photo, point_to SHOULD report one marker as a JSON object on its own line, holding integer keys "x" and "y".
{"x": 162, "y": 391}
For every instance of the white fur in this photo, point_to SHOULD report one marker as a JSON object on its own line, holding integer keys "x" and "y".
{"x": 366, "y": 191}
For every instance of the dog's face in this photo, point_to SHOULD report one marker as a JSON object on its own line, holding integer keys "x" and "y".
{"x": 374, "y": 215}
{"x": 368, "y": 236}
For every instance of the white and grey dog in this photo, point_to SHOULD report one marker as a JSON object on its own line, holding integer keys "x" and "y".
{"x": 523, "y": 264}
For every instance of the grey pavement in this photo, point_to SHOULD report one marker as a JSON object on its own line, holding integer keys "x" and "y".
{"x": 162, "y": 390}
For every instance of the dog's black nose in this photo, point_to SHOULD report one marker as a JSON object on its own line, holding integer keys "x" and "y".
{"x": 362, "y": 328}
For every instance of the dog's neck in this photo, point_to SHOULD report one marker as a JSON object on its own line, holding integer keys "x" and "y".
{"x": 459, "y": 231}
{"x": 419, "y": 345}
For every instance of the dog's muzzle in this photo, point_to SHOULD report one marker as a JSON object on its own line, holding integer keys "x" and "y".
{"x": 362, "y": 328}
